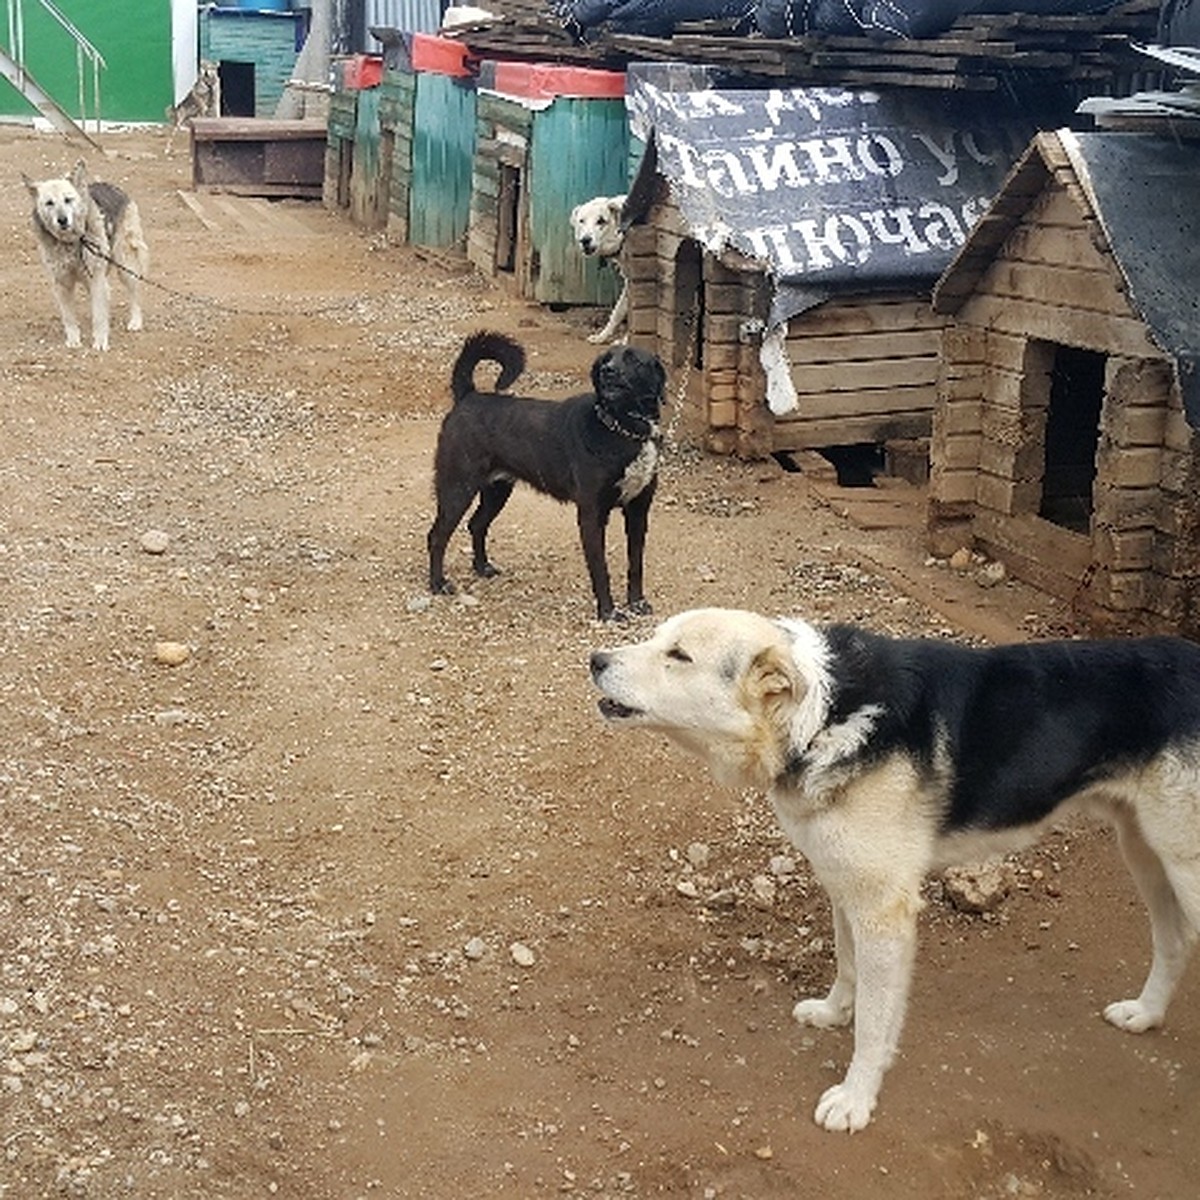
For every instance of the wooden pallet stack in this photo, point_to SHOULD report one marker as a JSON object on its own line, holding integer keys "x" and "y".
{"x": 983, "y": 52}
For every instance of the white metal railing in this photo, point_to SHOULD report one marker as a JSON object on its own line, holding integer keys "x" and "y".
{"x": 89, "y": 62}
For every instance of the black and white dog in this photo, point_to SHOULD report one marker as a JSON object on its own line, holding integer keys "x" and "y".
{"x": 598, "y": 451}
{"x": 885, "y": 758}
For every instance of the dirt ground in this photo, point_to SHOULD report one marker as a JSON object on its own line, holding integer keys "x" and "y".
{"x": 361, "y": 899}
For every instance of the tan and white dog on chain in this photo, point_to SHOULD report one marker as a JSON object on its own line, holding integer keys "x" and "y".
{"x": 83, "y": 229}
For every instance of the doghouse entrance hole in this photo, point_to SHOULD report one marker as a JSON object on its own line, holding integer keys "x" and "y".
{"x": 237, "y": 88}
{"x": 508, "y": 209}
{"x": 689, "y": 304}
{"x": 856, "y": 464}
{"x": 1072, "y": 437}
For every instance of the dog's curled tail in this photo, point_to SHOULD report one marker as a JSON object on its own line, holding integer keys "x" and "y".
{"x": 492, "y": 347}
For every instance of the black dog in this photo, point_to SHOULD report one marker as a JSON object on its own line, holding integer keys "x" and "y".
{"x": 598, "y": 451}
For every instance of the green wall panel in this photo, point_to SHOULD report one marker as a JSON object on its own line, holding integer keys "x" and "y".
{"x": 443, "y": 149}
{"x": 579, "y": 149}
{"x": 134, "y": 36}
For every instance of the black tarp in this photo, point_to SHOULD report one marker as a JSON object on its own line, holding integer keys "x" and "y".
{"x": 1144, "y": 190}
{"x": 832, "y": 190}
{"x": 788, "y": 18}
{"x": 897, "y": 18}
{"x": 651, "y": 18}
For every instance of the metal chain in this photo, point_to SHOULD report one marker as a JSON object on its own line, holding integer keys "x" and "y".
{"x": 209, "y": 302}
{"x": 669, "y": 443}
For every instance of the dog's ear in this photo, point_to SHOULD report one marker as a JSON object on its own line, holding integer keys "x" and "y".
{"x": 771, "y": 684}
{"x": 575, "y": 213}
{"x": 616, "y": 205}
{"x": 598, "y": 371}
{"x": 30, "y": 186}
{"x": 79, "y": 175}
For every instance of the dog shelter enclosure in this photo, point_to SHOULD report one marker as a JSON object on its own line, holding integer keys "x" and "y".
{"x": 402, "y": 139}
{"x": 791, "y": 245}
{"x": 1065, "y": 438}
{"x": 548, "y": 137}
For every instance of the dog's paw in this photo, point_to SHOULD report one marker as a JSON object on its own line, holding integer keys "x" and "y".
{"x": 74, "y": 340}
{"x": 1133, "y": 1016}
{"x": 599, "y": 337}
{"x": 843, "y": 1109}
{"x": 639, "y": 608}
{"x": 486, "y": 570}
{"x": 443, "y": 587}
{"x": 822, "y": 1014}
{"x": 613, "y": 616}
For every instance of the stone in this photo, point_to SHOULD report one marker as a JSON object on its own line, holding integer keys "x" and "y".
{"x": 171, "y": 654}
{"x": 522, "y": 955}
{"x": 155, "y": 541}
{"x": 977, "y": 889}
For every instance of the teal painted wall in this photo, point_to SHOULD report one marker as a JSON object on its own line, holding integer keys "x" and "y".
{"x": 268, "y": 40}
{"x": 134, "y": 36}
{"x": 443, "y": 149}
{"x": 579, "y": 149}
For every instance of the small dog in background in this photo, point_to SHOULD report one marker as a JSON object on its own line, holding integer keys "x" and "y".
{"x": 596, "y": 224}
{"x": 598, "y": 451}
{"x": 204, "y": 100}
{"x": 84, "y": 228}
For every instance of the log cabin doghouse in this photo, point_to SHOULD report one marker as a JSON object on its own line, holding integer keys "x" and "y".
{"x": 789, "y": 251}
{"x": 1065, "y": 436}
{"x": 548, "y": 138}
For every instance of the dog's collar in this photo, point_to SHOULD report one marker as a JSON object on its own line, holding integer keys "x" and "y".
{"x": 612, "y": 424}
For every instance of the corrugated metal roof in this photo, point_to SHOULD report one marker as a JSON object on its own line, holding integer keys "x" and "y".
{"x": 410, "y": 16}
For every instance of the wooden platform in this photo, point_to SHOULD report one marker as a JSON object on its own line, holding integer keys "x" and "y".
{"x": 252, "y": 156}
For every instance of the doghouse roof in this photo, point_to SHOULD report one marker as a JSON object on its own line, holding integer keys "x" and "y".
{"x": 1143, "y": 192}
{"x": 830, "y": 189}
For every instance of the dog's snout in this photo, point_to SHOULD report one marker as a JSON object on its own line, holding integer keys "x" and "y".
{"x": 599, "y": 660}
{"x": 64, "y": 222}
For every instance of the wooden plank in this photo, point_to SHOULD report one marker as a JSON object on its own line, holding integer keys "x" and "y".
{"x": 256, "y": 129}
{"x": 865, "y": 316}
{"x": 1086, "y": 290}
{"x": 863, "y": 378}
{"x": 841, "y": 431}
{"x": 865, "y": 402}
{"x": 850, "y": 349}
{"x": 198, "y": 210}
{"x": 1059, "y": 246}
{"x": 1052, "y": 323}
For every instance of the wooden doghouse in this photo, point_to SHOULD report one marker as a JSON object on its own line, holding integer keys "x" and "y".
{"x": 790, "y": 250}
{"x": 428, "y": 114}
{"x": 863, "y": 367}
{"x": 353, "y": 179}
{"x": 1065, "y": 439}
{"x": 548, "y": 137}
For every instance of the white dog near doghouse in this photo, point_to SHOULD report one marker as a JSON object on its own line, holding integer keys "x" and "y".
{"x": 596, "y": 224}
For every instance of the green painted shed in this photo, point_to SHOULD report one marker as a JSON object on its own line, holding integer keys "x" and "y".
{"x": 429, "y": 111}
{"x": 142, "y": 47}
{"x": 547, "y": 138}
{"x": 255, "y": 49}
